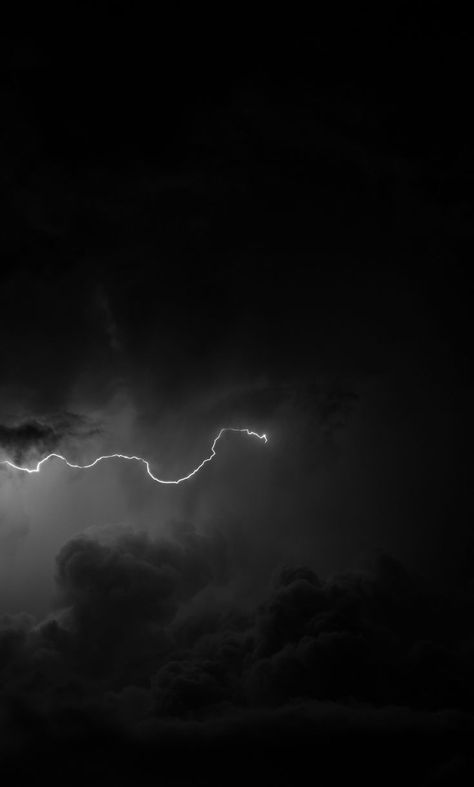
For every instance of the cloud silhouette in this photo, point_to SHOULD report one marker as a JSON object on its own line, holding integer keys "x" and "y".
{"x": 130, "y": 657}
{"x": 42, "y": 436}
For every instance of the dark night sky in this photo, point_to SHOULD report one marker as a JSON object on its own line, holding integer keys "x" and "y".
{"x": 268, "y": 228}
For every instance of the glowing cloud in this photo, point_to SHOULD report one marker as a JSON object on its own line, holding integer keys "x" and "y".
{"x": 209, "y": 458}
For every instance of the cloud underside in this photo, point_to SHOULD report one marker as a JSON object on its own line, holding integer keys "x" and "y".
{"x": 134, "y": 657}
{"x": 41, "y": 436}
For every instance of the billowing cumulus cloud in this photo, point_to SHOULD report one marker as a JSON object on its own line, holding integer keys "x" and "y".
{"x": 129, "y": 653}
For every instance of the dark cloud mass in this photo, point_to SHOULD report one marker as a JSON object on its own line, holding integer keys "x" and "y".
{"x": 129, "y": 660}
{"x": 40, "y": 437}
{"x": 235, "y": 225}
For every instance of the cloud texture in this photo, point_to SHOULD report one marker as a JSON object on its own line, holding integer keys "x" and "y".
{"x": 130, "y": 654}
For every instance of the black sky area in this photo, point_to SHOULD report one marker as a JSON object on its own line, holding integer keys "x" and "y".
{"x": 244, "y": 224}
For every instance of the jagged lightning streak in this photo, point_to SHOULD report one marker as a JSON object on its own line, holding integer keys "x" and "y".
{"x": 137, "y": 459}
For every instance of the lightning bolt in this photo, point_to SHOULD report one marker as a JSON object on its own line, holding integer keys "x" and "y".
{"x": 205, "y": 461}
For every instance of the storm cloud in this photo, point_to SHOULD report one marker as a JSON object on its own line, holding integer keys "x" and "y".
{"x": 233, "y": 227}
{"x": 130, "y": 655}
{"x": 40, "y": 437}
